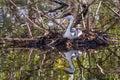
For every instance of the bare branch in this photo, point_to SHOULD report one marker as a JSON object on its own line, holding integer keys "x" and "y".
{"x": 106, "y": 4}
{"x": 100, "y": 68}
{"x": 53, "y": 20}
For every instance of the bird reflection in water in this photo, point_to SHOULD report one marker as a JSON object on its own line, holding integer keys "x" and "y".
{"x": 72, "y": 54}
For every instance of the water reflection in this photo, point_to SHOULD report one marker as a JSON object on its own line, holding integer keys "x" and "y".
{"x": 27, "y": 63}
{"x": 72, "y": 54}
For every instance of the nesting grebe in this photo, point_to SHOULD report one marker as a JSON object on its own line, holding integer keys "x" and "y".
{"x": 71, "y": 33}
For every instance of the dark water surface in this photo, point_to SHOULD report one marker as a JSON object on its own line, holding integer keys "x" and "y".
{"x": 52, "y": 64}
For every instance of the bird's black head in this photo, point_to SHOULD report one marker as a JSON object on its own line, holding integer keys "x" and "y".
{"x": 68, "y": 72}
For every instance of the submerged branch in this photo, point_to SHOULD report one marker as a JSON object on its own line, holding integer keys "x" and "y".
{"x": 101, "y": 69}
{"x": 111, "y": 26}
{"x": 106, "y": 4}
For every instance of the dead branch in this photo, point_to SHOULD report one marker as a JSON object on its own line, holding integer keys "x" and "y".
{"x": 29, "y": 30}
{"x": 43, "y": 14}
{"x": 78, "y": 18}
{"x": 17, "y": 39}
{"x": 107, "y": 5}
{"x": 111, "y": 26}
{"x": 35, "y": 25}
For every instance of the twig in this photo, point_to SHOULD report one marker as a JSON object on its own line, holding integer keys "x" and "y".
{"x": 63, "y": 5}
{"x": 111, "y": 2}
{"x": 29, "y": 30}
{"x": 77, "y": 19}
{"x": 100, "y": 68}
{"x": 35, "y": 25}
{"x": 13, "y": 3}
{"x": 18, "y": 48}
{"x": 114, "y": 52}
{"x": 80, "y": 65}
{"x": 98, "y": 65}
{"x": 96, "y": 13}
{"x": 108, "y": 21}
{"x": 41, "y": 20}
{"x": 116, "y": 21}
{"x": 112, "y": 9}
{"x": 98, "y": 8}
{"x": 42, "y": 63}
{"x": 17, "y": 39}
{"x": 29, "y": 57}
{"x": 106, "y": 58}
{"x": 88, "y": 27}
{"x": 78, "y": 7}
{"x": 81, "y": 8}
{"x": 43, "y": 14}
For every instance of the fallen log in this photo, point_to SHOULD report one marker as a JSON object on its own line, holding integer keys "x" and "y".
{"x": 54, "y": 39}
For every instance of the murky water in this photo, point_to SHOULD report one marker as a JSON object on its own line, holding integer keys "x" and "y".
{"x": 52, "y": 64}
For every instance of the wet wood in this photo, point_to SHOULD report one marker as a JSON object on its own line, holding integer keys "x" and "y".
{"x": 53, "y": 39}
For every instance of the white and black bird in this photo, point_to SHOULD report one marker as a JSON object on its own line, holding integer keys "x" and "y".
{"x": 71, "y": 33}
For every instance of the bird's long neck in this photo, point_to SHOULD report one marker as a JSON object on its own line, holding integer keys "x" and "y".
{"x": 70, "y": 25}
{"x": 71, "y": 64}
{"x": 68, "y": 56}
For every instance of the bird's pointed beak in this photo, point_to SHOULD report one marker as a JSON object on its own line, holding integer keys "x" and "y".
{"x": 70, "y": 71}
